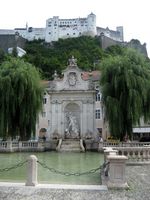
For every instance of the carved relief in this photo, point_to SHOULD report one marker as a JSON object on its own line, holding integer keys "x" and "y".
{"x": 72, "y": 78}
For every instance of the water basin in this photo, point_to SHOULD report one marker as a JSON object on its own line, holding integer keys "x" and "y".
{"x": 63, "y": 162}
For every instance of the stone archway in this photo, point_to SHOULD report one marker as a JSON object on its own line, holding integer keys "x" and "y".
{"x": 42, "y": 133}
{"x": 72, "y": 121}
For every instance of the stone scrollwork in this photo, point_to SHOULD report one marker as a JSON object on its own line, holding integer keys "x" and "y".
{"x": 56, "y": 101}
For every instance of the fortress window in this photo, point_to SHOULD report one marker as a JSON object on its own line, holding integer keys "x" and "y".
{"x": 49, "y": 33}
{"x": 79, "y": 33}
{"x": 67, "y": 33}
{"x": 73, "y": 33}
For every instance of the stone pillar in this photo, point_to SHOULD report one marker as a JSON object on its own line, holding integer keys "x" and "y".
{"x": 20, "y": 145}
{"x": 109, "y": 151}
{"x": 116, "y": 176}
{"x": 9, "y": 146}
{"x": 32, "y": 171}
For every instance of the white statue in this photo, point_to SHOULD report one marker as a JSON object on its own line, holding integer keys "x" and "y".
{"x": 72, "y": 126}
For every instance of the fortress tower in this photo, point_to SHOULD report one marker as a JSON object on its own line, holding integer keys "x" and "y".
{"x": 64, "y": 28}
{"x": 91, "y": 23}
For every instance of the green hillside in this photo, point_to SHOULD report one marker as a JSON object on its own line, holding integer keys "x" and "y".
{"x": 54, "y": 56}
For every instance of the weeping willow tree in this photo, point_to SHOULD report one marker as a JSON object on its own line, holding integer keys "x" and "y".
{"x": 20, "y": 98}
{"x": 125, "y": 84}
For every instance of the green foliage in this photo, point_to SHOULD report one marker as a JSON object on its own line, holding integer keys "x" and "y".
{"x": 2, "y": 56}
{"x": 21, "y": 98}
{"x": 54, "y": 56}
{"x": 125, "y": 83}
{"x": 114, "y": 50}
{"x": 14, "y": 52}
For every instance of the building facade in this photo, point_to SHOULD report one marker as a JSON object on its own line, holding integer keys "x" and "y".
{"x": 71, "y": 106}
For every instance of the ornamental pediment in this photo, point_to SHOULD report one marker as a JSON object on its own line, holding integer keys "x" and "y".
{"x": 72, "y": 79}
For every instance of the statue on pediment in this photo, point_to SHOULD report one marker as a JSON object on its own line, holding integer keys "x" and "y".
{"x": 72, "y": 62}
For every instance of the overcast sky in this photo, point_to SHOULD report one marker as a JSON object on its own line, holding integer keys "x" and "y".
{"x": 133, "y": 15}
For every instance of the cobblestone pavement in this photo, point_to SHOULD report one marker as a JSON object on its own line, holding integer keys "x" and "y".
{"x": 138, "y": 178}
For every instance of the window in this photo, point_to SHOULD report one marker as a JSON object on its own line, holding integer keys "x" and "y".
{"x": 98, "y": 114}
{"x": 98, "y": 96}
{"x": 43, "y": 114}
{"x": 48, "y": 122}
{"x": 44, "y": 100}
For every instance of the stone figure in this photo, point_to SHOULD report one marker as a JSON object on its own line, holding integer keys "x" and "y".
{"x": 72, "y": 61}
{"x": 72, "y": 130}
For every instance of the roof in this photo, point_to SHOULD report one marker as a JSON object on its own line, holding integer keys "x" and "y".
{"x": 95, "y": 75}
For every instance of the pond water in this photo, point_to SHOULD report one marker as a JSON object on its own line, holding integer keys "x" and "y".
{"x": 65, "y": 162}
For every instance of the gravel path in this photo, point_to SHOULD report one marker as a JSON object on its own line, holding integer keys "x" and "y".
{"x": 138, "y": 178}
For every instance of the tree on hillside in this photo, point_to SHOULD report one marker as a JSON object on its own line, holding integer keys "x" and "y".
{"x": 125, "y": 82}
{"x": 21, "y": 98}
{"x": 54, "y": 56}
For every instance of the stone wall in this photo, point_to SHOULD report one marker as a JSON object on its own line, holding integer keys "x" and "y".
{"x": 7, "y": 41}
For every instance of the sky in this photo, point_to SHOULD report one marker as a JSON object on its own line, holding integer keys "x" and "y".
{"x": 133, "y": 15}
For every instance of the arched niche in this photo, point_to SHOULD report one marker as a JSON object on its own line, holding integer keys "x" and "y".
{"x": 72, "y": 121}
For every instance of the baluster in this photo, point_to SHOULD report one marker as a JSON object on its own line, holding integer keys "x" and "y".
{"x": 139, "y": 155}
{"x": 144, "y": 155}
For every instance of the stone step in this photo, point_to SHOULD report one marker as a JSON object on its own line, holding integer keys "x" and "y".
{"x": 70, "y": 145}
{"x": 70, "y": 150}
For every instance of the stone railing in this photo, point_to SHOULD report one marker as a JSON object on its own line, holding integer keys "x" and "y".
{"x": 121, "y": 144}
{"x": 13, "y": 146}
{"x": 136, "y": 155}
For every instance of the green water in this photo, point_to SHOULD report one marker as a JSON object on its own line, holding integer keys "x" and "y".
{"x": 66, "y": 162}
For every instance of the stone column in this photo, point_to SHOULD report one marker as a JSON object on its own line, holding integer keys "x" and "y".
{"x": 32, "y": 171}
{"x": 116, "y": 175}
{"x": 109, "y": 151}
{"x": 9, "y": 146}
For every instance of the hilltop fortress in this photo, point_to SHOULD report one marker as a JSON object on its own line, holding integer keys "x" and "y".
{"x": 64, "y": 28}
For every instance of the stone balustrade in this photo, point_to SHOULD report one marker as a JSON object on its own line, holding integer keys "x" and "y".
{"x": 14, "y": 146}
{"x": 102, "y": 145}
{"x": 136, "y": 155}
